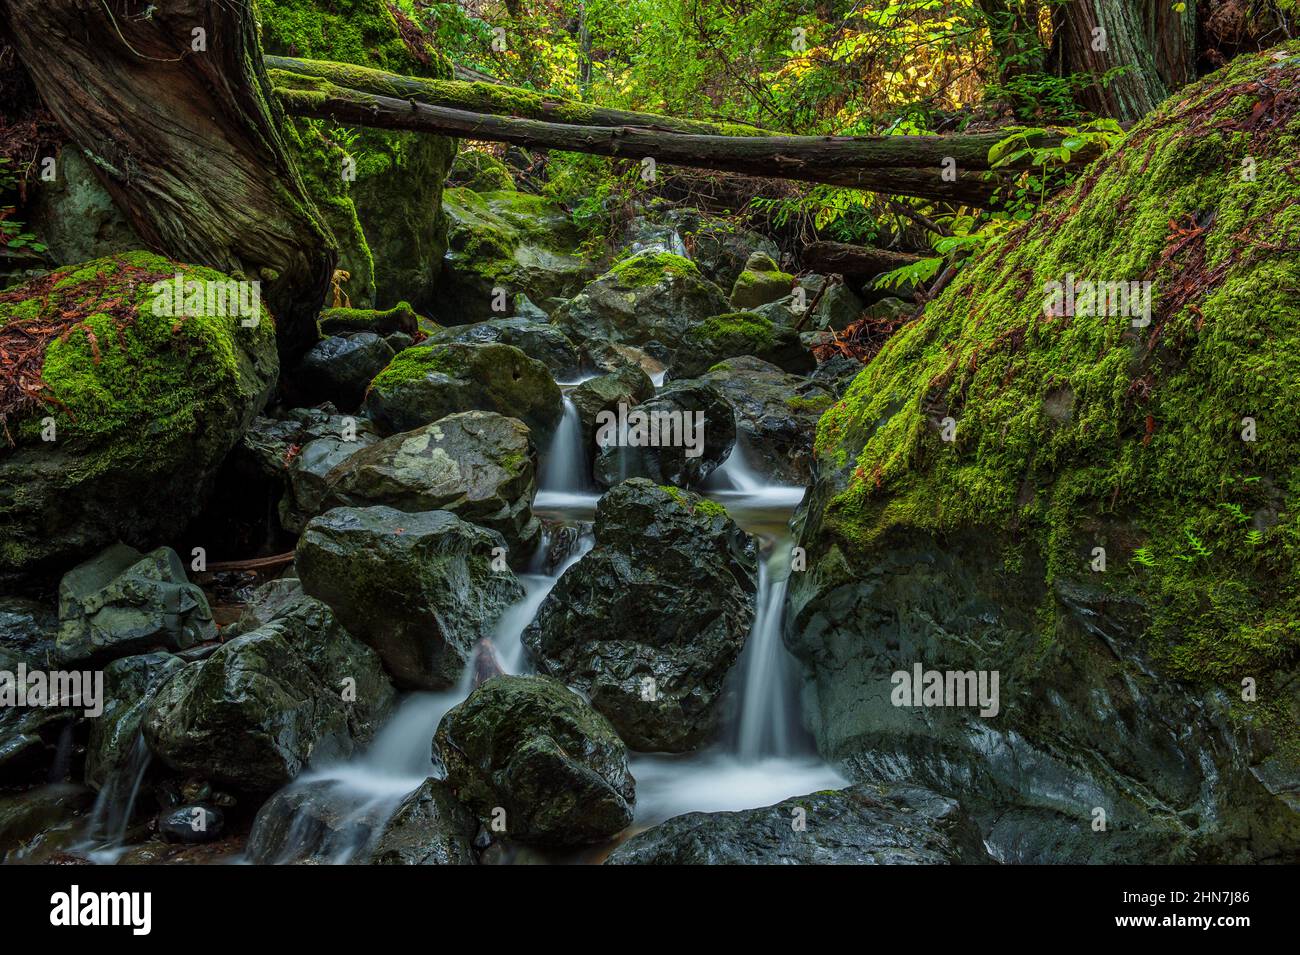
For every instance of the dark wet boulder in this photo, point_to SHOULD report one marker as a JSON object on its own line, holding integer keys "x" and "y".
{"x": 776, "y": 415}
{"x": 266, "y": 704}
{"x": 421, "y": 588}
{"x": 130, "y": 685}
{"x": 29, "y": 735}
{"x": 628, "y": 386}
{"x": 192, "y": 825}
{"x": 862, "y": 825}
{"x": 308, "y": 476}
{"x": 339, "y": 369}
{"x": 137, "y": 411}
{"x": 602, "y": 356}
{"x": 536, "y": 763}
{"x": 478, "y": 465}
{"x": 429, "y": 382}
{"x": 1017, "y": 486}
{"x": 273, "y": 444}
{"x": 28, "y": 627}
{"x": 818, "y": 304}
{"x": 760, "y": 282}
{"x": 650, "y": 622}
{"x": 736, "y": 334}
{"x": 123, "y": 602}
{"x": 679, "y": 437}
{"x": 430, "y": 827}
{"x": 651, "y": 297}
{"x": 533, "y": 335}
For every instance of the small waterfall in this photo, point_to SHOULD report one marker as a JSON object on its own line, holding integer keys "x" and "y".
{"x": 564, "y": 470}
{"x": 114, "y": 806}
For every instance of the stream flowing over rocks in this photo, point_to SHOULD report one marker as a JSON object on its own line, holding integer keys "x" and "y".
{"x": 548, "y": 551}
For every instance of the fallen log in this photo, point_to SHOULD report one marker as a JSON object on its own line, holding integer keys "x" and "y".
{"x": 853, "y": 261}
{"x": 900, "y": 165}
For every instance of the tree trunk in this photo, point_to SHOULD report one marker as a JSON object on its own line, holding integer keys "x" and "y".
{"x": 901, "y": 165}
{"x": 170, "y": 104}
{"x": 853, "y": 261}
{"x": 1155, "y": 43}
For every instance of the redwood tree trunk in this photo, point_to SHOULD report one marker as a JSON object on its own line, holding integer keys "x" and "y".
{"x": 187, "y": 141}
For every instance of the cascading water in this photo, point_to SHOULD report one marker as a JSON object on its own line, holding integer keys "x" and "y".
{"x": 110, "y": 817}
{"x": 564, "y": 468}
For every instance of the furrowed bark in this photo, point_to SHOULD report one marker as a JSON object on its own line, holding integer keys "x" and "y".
{"x": 186, "y": 142}
{"x": 901, "y": 165}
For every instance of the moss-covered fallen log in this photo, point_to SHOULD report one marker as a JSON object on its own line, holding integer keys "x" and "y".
{"x": 901, "y": 165}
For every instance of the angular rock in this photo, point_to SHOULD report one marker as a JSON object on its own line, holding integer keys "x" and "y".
{"x": 123, "y": 602}
{"x": 130, "y": 684}
{"x": 776, "y": 415}
{"x": 262, "y": 707}
{"x": 339, "y": 369}
{"x": 629, "y": 386}
{"x": 862, "y": 825}
{"x": 531, "y": 747}
{"x": 734, "y": 335}
{"x": 308, "y": 476}
{"x": 666, "y": 595}
{"x": 426, "y": 383}
{"x": 419, "y": 588}
{"x": 429, "y": 828}
{"x": 652, "y": 297}
{"x": 478, "y": 465}
{"x": 760, "y": 282}
{"x": 719, "y": 247}
{"x": 693, "y": 412}
{"x": 533, "y": 335}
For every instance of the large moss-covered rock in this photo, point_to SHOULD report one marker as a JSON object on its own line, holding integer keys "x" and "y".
{"x": 478, "y": 465}
{"x": 651, "y": 297}
{"x": 135, "y": 411}
{"x": 266, "y": 704}
{"x": 862, "y": 825}
{"x": 510, "y": 241}
{"x": 649, "y": 623}
{"x": 776, "y": 415}
{"x": 479, "y": 171}
{"x": 420, "y": 588}
{"x": 733, "y": 335}
{"x": 528, "y": 746}
{"x": 532, "y": 335}
{"x": 761, "y": 282}
{"x": 379, "y": 191}
{"x": 680, "y": 436}
{"x": 430, "y": 382}
{"x": 122, "y": 602}
{"x": 1110, "y": 525}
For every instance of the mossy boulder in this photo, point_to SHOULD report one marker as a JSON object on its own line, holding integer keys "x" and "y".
{"x": 760, "y": 282}
{"x": 506, "y": 241}
{"x": 533, "y": 335}
{"x": 719, "y": 247}
{"x": 663, "y": 601}
{"x": 739, "y": 333}
{"x": 477, "y": 464}
{"x": 380, "y": 192}
{"x": 347, "y": 321}
{"x": 268, "y": 703}
{"x": 139, "y": 408}
{"x": 429, "y": 382}
{"x": 650, "y": 297}
{"x": 480, "y": 171}
{"x": 533, "y": 748}
{"x": 1074, "y": 498}
{"x": 421, "y": 588}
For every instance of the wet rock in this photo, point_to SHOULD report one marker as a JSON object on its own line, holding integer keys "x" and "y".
{"x": 649, "y": 623}
{"x": 30, "y": 736}
{"x": 605, "y": 357}
{"x": 75, "y": 216}
{"x": 505, "y": 240}
{"x": 654, "y": 445}
{"x": 478, "y": 465}
{"x": 734, "y": 335}
{"x": 421, "y": 588}
{"x": 143, "y": 414}
{"x": 25, "y": 816}
{"x": 837, "y": 373}
{"x": 192, "y": 825}
{"x": 825, "y": 304}
{"x": 718, "y": 246}
{"x": 123, "y": 602}
{"x": 531, "y": 748}
{"x": 760, "y": 282}
{"x": 308, "y": 476}
{"x": 426, "y": 383}
{"x": 655, "y": 296}
{"x": 776, "y": 415}
{"x": 274, "y": 443}
{"x": 862, "y": 825}
{"x": 430, "y": 827}
{"x": 338, "y": 369}
{"x": 27, "y": 628}
{"x": 130, "y": 685}
{"x": 256, "y": 712}
{"x": 628, "y": 385}
{"x": 533, "y": 335}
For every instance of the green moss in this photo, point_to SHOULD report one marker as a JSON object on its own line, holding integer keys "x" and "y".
{"x": 480, "y": 171}
{"x": 694, "y": 503}
{"x": 732, "y": 334}
{"x": 650, "y": 268}
{"x": 814, "y": 403}
{"x": 1078, "y": 432}
{"x": 415, "y": 364}
{"x": 125, "y": 379}
{"x": 343, "y": 321}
